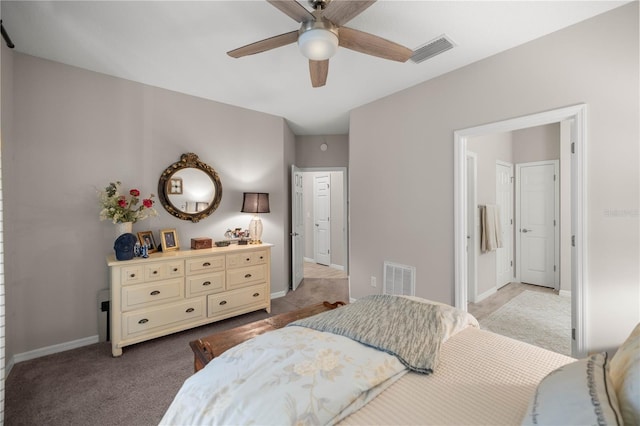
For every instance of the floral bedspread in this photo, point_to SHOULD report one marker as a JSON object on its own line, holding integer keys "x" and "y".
{"x": 294, "y": 375}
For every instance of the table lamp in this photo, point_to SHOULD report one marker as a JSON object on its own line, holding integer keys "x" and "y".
{"x": 255, "y": 202}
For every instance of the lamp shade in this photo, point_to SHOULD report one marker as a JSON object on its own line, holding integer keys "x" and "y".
{"x": 255, "y": 202}
{"x": 318, "y": 44}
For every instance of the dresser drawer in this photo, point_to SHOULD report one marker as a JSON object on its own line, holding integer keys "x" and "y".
{"x": 243, "y": 277}
{"x": 205, "y": 264}
{"x": 132, "y": 274}
{"x": 220, "y": 304}
{"x": 246, "y": 259}
{"x": 150, "y": 294}
{"x": 206, "y": 284}
{"x": 161, "y": 271}
{"x": 149, "y": 320}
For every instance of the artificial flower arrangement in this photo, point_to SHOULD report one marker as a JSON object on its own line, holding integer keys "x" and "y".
{"x": 124, "y": 208}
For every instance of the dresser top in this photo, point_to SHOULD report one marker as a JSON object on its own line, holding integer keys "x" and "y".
{"x": 186, "y": 253}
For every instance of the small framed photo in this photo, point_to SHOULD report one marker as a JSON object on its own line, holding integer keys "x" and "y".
{"x": 146, "y": 237}
{"x": 175, "y": 186}
{"x": 169, "y": 240}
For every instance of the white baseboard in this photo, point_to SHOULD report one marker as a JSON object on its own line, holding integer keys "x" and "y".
{"x": 309, "y": 259}
{"x": 565, "y": 293}
{"x": 486, "y": 294}
{"x": 49, "y": 350}
{"x": 338, "y": 267}
{"x": 278, "y": 294}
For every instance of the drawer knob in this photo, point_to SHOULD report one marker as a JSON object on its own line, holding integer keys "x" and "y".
{"x": 143, "y": 321}
{"x": 155, "y": 272}
{"x": 155, "y": 292}
{"x": 206, "y": 283}
{"x": 248, "y": 259}
{"x": 190, "y": 310}
{"x": 247, "y": 276}
{"x": 132, "y": 276}
{"x": 256, "y": 294}
{"x": 175, "y": 269}
{"x": 224, "y": 302}
{"x": 206, "y": 264}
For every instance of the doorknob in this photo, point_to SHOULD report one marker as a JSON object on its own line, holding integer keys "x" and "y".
{"x": 527, "y": 230}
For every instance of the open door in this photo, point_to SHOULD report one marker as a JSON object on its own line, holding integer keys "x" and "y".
{"x": 297, "y": 225}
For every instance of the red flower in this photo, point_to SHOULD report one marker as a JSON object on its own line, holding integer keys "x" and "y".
{"x": 148, "y": 203}
{"x": 122, "y": 201}
{"x": 134, "y": 192}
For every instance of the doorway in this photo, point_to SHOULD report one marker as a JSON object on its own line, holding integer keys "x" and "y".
{"x": 575, "y": 119}
{"x": 319, "y": 223}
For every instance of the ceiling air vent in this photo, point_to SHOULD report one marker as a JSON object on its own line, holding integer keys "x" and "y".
{"x": 432, "y": 48}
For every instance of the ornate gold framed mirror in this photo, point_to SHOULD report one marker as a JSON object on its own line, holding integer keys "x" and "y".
{"x": 190, "y": 189}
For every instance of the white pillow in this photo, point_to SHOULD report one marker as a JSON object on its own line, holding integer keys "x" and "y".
{"x": 579, "y": 393}
{"x": 625, "y": 376}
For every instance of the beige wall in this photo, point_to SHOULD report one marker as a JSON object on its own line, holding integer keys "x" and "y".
{"x": 595, "y": 62}
{"x": 75, "y": 131}
{"x": 309, "y": 154}
{"x": 536, "y": 144}
{"x": 490, "y": 148}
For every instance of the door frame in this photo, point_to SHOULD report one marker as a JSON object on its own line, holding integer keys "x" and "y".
{"x": 577, "y": 115}
{"x": 345, "y": 210}
{"x": 556, "y": 212}
{"x": 472, "y": 235}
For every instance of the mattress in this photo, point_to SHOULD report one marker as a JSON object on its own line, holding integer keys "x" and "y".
{"x": 483, "y": 379}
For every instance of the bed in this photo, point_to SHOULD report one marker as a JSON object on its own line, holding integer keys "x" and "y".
{"x": 405, "y": 361}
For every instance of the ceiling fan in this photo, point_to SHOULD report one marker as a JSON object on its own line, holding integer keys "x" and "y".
{"x": 321, "y": 32}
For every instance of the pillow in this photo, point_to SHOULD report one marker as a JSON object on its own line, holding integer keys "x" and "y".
{"x": 625, "y": 376}
{"x": 579, "y": 393}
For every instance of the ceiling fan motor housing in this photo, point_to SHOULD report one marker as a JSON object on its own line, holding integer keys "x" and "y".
{"x": 318, "y": 40}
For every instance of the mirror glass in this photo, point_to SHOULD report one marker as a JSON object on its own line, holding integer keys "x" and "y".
{"x": 190, "y": 189}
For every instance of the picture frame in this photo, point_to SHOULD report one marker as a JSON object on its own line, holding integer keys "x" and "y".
{"x": 147, "y": 237}
{"x": 169, "y": 239}
{"x": 175, "y": 185}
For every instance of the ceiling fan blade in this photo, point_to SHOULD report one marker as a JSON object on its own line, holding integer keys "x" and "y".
{"x": 342, "y": 11}
{"x": 264, "y": 45}
{"x": 293, "y": 9}
{"x": 373, "y": 45}
{"x": 318, "y": 71}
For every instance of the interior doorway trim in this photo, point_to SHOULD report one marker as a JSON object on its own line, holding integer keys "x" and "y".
{"x": 577, "y": 114}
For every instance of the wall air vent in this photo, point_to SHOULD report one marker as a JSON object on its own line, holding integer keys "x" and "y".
{"x": 399, "y": 279}
{"x": 432, "y": 48}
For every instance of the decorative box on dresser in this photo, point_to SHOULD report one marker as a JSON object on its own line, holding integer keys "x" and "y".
{"x": 176, "y": 290}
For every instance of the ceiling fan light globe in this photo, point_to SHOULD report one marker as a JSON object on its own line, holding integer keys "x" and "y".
{"x": 318, "y": 44}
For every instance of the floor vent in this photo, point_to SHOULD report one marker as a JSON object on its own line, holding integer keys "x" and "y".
{"x": 432, "y": 48}
{"x": 399, "y": 279}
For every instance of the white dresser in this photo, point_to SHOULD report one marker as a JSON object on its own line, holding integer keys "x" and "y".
{"x": 177, "y": 290}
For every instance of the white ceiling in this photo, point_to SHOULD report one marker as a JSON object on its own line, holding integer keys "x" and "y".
{"x": 182, "y": 45}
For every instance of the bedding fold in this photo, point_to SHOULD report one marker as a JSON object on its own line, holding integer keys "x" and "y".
{"x": 410, "y": 330}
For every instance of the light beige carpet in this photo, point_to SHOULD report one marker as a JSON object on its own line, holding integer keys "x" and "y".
{"x": 542, "y": 319}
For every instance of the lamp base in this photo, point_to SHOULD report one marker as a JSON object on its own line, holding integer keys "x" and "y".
{"x": 255, "y": 230}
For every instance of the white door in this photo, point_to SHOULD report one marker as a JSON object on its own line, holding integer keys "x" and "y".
{"x": 322, "y": 217}
{"x": 538, "y": 212}
{"x": 297, "y": 227}
{"x": 472, "y": 227}
{"x": 504, "y": 200}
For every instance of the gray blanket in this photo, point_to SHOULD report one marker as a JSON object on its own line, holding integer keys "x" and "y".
{"x": 410, "y": 330}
